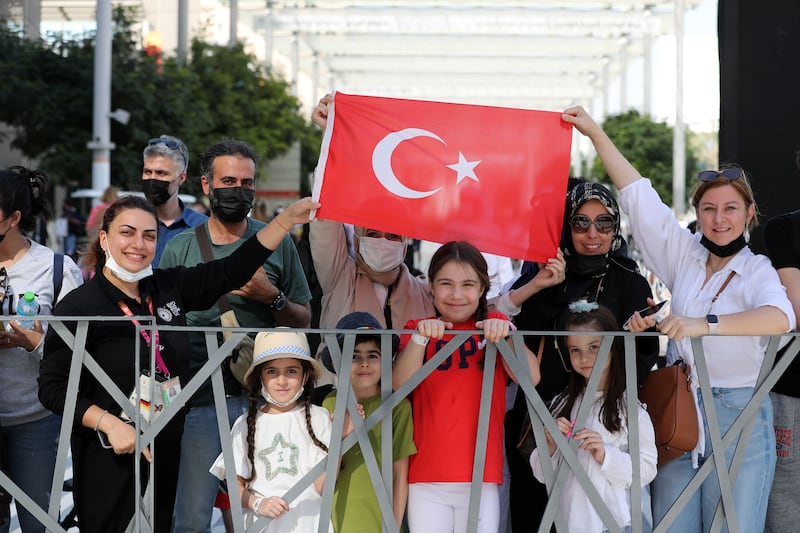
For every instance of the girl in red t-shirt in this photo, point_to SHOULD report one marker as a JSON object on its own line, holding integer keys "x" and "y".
{"x": 446, "y": 403}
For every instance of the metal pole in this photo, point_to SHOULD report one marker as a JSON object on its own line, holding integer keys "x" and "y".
{"x": 183, "y": 31}
{"x": 678, "y": 133}
{"x": 101, "y": 144}
{"x": 314, "y": 80}
{"x": 234, "y": 22}
{"x": 606, "y": 84}
{"x": 269, "y": 37}
{"x": 623, "y": 74}
{"x": 31, "y": 19}
{"x": 295, "y": 62}
{"x": 648, "y": 67}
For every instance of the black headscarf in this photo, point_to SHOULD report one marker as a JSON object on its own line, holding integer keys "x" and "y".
{"x": 584, "y": 265}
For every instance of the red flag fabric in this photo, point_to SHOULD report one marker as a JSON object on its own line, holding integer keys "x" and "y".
{"x": 493, "y": 176}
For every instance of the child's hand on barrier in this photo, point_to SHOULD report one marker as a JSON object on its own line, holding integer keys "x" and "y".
{"x": 348, "y": 421}
{"x": 593, "y": 443}
{"x": 433, "y": 328}
{"x": 494, "y": 329}
{"x": 272, "y": 507}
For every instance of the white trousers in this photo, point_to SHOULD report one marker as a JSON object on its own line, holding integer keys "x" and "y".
{"x": 444, "y": 508}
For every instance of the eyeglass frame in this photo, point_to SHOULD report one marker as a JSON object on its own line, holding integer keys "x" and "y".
{"x": 582, "y": 230}
{"x": 710, "y": 175}
{"x": 172, "y": 144}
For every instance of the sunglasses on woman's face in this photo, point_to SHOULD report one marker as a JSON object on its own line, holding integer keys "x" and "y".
{"x": 582, "y": 223}
{"x": 729, "y": 174}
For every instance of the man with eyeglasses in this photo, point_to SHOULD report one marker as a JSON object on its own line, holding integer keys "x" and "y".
{"x": 166, "y": 160}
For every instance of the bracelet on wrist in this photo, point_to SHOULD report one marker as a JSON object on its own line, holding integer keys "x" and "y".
{"x": 422, "y": 340}
{"x": 278, "y": 221}
{"x": 97, "y": 424}
{"x": 257, "y": 504}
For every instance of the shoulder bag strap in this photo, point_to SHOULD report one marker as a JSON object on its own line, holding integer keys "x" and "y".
{"x": 541, "y": 350}
{"x": 727, "y": 280}
{"x": 58, "y": 276}
{"x": 208, "y": 255}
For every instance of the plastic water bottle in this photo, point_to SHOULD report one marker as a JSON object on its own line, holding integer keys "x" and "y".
{"x": 27, "y": 307}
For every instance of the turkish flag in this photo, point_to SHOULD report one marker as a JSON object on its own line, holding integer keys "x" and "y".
{"x": 493, "y": 176}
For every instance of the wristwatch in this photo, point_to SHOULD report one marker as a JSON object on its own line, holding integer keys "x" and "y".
{"x": 712, "y": 322}
{"x": 279, "y": 302}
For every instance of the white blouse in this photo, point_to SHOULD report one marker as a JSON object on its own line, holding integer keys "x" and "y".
{"x": 676, "y": 256}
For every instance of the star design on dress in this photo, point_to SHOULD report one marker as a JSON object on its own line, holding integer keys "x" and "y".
{"x": 464, "y": 169}
{"x": 281, "y": 457}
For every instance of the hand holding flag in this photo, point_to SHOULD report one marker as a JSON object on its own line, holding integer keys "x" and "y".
{"x": 493, "y": 176}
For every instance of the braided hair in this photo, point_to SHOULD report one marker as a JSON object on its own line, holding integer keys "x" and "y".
{"x": 255, "y": 400}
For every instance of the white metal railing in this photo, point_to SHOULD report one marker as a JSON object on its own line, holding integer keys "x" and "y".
{"x": 379, "y": 468}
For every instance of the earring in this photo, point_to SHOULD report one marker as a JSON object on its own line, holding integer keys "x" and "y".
{"x": 746, "y": 235}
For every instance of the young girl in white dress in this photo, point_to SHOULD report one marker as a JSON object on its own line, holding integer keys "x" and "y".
{"x": 276, "y": 443}
{"x": 603, "y": 441}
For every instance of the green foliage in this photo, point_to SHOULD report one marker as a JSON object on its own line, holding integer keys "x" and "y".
{"x": 220, "y": 92}
{"x": 648, "y": 146}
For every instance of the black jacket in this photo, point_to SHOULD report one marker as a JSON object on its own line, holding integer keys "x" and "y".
{"x": 174, "y": 291}
{"x": 622, "y": 289}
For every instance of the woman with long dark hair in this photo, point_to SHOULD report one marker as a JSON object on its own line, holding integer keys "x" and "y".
{"x": 126, "y": 284}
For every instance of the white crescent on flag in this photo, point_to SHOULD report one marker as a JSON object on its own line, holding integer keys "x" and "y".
{"x": 382, "y": 162}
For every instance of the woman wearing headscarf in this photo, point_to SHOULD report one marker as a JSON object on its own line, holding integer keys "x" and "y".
{"x": 598, "y": 269}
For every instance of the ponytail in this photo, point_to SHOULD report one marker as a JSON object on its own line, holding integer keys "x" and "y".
{"x": 24, "y": 190}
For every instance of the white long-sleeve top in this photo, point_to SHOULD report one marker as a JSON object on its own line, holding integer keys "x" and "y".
{"x": 612, "y": 479}
{"x": 676, "y": 256}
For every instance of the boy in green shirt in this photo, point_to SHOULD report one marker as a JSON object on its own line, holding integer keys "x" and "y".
{"x": 355, "y": 506}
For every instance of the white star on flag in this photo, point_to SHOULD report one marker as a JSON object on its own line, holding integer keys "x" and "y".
{"x": 464, "y": 168}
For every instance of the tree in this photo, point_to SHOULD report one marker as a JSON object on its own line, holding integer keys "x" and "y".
{"x": 648, "y": 146}
{"x": 220, "y": 92}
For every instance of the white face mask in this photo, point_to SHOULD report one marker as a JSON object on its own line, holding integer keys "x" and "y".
{"x": 381, "y": 255}
{"x": 126, "y": 275}
{"x": 273, "y": 401}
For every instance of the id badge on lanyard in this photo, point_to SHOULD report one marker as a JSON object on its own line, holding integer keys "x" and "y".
{"x": 155, "y": 393}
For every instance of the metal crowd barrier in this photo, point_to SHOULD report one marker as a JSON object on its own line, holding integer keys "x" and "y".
{"x": 382, "y": 483}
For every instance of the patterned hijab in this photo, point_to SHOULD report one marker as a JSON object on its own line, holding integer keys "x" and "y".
{"x": 579, "y": 195}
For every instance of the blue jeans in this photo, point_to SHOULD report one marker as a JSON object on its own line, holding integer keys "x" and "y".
{"x": 750, "y": 488}
{"x": 200, "y": 446}
{"x": 32, "y": 450}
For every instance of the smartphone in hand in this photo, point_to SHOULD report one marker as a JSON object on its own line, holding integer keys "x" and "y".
{"x": 657, "y": 311}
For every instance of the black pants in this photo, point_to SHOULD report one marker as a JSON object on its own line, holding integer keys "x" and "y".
{"x": 104, "y": 483}
{"x": 527, "y": 497}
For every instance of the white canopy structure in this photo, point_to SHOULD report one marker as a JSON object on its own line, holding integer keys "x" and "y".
{"x": 532, "y": 54}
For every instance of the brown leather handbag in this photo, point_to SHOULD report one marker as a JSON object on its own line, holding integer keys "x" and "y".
{"x": 667, "y": 394}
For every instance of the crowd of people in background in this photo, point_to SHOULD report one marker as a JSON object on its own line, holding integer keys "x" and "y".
{"x": 197, "y": 264}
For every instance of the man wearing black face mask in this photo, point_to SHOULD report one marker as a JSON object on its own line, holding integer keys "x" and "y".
{"x": 277, "y": 295}
{"x": 166, "y": 160}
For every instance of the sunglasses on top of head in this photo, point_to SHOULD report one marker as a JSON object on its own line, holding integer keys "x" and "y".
{"x": 729, "y": 174}
{"x": 169, "y": 143}
{"x": 582, "y": 223}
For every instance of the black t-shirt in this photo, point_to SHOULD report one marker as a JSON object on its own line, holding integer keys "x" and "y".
{"x": 782, "y": 239}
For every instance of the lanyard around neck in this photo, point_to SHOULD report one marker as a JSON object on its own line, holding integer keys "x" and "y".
{"x": 159, "y": 360}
